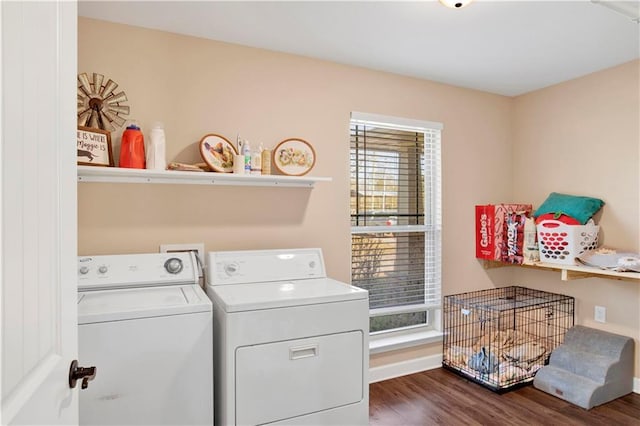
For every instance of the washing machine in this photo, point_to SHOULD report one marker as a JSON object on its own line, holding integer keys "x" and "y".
{"x": 146, "y": 325}
{"x": 290, "y": 344}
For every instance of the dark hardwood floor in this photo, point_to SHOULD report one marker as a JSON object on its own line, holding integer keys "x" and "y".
{"x": 440, "y": 397}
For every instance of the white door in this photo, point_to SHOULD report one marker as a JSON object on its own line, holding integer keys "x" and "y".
{"x": 38, "y": 214}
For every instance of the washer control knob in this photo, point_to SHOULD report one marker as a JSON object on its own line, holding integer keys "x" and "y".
{"x": 103, "y": 269}
{"x": 230, "y": 268}
{"x": 173, "y": 265}
{"x": 84, "y": 270}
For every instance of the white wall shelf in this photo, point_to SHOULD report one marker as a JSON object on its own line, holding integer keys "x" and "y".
{"x": 122, "y": 175}
{"x": 570, "y": 272}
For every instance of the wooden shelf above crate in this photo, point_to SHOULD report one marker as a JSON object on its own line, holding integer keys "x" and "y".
{"x": 569, "y": 272}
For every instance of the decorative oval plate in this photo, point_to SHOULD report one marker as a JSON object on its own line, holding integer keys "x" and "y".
{"x": 616, "y": 261}
{"x": 217, "y": 152}
{"x": 294, "y": 157}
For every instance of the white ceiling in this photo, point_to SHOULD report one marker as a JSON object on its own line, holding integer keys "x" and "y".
{"x": 503, "y": 47}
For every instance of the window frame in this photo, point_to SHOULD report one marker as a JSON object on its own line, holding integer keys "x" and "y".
{"x": 432, "y": 199}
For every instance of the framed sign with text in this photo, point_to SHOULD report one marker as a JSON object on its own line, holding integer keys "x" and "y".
{"x": 94, "y": 147}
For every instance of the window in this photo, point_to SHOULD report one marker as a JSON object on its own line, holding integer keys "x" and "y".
{"x": 396, "y": 219}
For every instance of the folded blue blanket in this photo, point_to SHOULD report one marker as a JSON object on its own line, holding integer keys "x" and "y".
{"x": 578, "y": 207}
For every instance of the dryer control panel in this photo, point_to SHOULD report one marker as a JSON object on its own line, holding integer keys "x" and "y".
{"x": 136, "y": 270}
{"x": 254, "y": 266}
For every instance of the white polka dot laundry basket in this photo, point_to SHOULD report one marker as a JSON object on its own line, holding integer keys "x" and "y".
{"x": 562, "y": 243}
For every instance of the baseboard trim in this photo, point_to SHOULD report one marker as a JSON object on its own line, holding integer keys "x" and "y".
{"x": 403, "y": 368}
{"x": 636, "y": 385}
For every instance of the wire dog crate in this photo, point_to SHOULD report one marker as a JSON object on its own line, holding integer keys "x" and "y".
{"x": 500, "y": 337}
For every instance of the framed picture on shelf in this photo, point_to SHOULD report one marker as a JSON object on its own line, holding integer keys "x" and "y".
{"x": 294, "y": 157}
{"x": 217, "y": 151}
{"x": 94, "y": 147}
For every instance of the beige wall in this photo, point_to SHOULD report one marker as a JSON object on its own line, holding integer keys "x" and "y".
{"x": 198, "y": 86}
{"x": 583, "y": 137}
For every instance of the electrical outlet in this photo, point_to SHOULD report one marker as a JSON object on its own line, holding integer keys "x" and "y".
{"x": 600, "y": 314}
{"x": 198, "y": 248}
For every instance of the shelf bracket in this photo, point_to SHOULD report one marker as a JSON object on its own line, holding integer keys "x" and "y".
{"x": 567, "y": 275}
{"x": 492, "y": 264}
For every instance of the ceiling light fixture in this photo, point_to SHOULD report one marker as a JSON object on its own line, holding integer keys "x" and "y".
{"x": 455, "y": 4}
{"x": 630, "y": 9}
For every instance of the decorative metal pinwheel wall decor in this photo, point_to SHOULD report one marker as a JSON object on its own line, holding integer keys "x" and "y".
{"x": 98, "y": 105}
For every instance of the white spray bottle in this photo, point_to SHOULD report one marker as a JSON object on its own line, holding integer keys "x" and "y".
{"x": 246, "y": 151}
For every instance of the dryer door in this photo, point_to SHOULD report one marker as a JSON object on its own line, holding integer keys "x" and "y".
{"x": 277, "y": 381}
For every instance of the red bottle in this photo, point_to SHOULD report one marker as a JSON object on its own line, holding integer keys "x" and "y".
{"x": 132, "y": 148}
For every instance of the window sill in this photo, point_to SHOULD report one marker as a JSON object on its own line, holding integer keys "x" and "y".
{"x": 393, "y": 343}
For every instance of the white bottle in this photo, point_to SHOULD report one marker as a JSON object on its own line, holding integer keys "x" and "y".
{"x": 246, "y": 151}
{"x": 256, "y": 161}
{"x": 156, "y": 150}
{"x": 239, "y": 144}
{"x": 530, "y": 243}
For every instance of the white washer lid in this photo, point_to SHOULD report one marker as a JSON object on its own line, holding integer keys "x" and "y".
{"x": 278, "y": 294}
{"x": 132, "y": 303}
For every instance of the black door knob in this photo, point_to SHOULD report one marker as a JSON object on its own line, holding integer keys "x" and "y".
{"x": 76, "y": 373}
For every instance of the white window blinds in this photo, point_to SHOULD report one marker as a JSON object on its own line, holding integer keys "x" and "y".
{"x": 395, "y": 218}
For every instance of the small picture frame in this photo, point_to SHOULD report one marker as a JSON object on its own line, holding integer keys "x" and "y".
{"x": 94, "y": 147}
{"x": 294, "y": 157}
{"x": 217, "y": 151}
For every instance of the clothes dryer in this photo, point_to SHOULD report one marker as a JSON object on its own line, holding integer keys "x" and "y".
{"x": 290, "y": 344}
